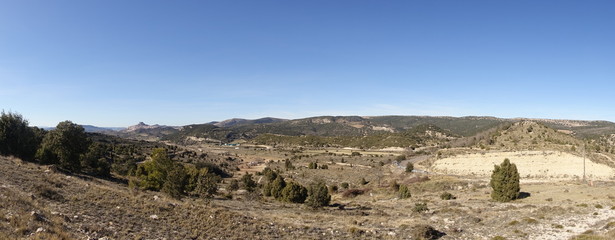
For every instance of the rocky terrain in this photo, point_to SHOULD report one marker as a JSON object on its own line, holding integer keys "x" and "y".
{"x": 448, "y": 188}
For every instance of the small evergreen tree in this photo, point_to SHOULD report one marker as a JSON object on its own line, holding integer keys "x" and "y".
{"x": 64, "y": 146}
{"x": 277, "y": 186}
{"x": 288, "y": 164}
{"x": 175, "y": 183}
{"x": 505, "y": 182}
{"x": 151, "y": 175}
{"x": 233, "y": 185}
{"x": 318, "y": 195}
{"x": 207, "y": 184}
{"x": 294, "y": 193}
{"x": 269, "y": 174}
{"x": 248, "y": 183}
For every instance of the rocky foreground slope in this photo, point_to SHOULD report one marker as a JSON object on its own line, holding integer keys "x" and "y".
{"x": 37, "y": 202}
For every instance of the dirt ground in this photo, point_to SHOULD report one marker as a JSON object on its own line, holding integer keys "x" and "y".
{"x": 82, "y": 207}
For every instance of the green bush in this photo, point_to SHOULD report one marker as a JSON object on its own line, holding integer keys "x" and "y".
{"x": 318, "y": 195}
{"x": 423, "y": 231}
{"x": 363, "y": 181}
{"x": 345, "y": 185}
{"x": 207, "y": 184}
{"x": 333, "y": 189}
{"x": 403, "y": 192}
{"x": 97, "y": 160}
{"x": 151, "y": 175}
{"x": 505, "y": 182}
{"x": 447, "y": 196}
{"x": 313, "y": 165}
{"x": 269, "y": 174}
{"x": 175, "y": 183}
{"x": 409, "y": 167}
{"x": 248, "y": 183}
{"x": 64, "y": 146}
{"x": 294, "y": 193}
{"x": 420, "y": 207}
{"x": 233, "y": 185}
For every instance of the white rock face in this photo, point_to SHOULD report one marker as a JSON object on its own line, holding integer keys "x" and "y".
{"x": 530, "y": 164}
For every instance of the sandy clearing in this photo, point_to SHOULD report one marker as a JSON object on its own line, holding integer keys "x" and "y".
{"x": 531, "y": 164}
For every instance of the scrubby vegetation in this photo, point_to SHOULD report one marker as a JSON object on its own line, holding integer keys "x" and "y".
{"x": 306, "y": 183}
{"x": 17, "y": 138}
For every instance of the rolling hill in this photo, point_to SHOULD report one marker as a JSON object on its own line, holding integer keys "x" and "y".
{"x": 347, "y": 126}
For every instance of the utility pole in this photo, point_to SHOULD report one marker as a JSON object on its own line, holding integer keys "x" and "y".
{"x": 584, "y": 150}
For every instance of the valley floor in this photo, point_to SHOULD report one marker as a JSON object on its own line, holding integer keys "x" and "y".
{"x": 37, "y": 202}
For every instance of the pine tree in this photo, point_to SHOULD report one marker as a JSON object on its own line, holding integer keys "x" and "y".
{"x": 505, "y": 182}
{"x": 277, "y": 186}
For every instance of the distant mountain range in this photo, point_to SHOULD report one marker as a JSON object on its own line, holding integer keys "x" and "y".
{"x": 239, "y": 121}
{"x": 335, "y": 126}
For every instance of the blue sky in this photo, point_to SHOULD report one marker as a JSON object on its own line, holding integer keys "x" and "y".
{"x": 115, "y": 63}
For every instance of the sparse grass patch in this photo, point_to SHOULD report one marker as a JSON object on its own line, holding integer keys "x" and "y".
{"x": 609, "y": 225}
{"x": 530, "y": 220}
{"x": 588, "y": 237}
{"x": 420, "y": 207}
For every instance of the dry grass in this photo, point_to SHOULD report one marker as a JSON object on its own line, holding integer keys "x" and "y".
{"x": 86, "y": 207}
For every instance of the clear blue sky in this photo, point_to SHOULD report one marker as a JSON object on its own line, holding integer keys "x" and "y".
{"x": 115, "y": 63}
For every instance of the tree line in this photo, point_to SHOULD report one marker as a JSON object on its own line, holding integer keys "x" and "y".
{"x": 70, "y": 149}
{"x": 66, "y": 146}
